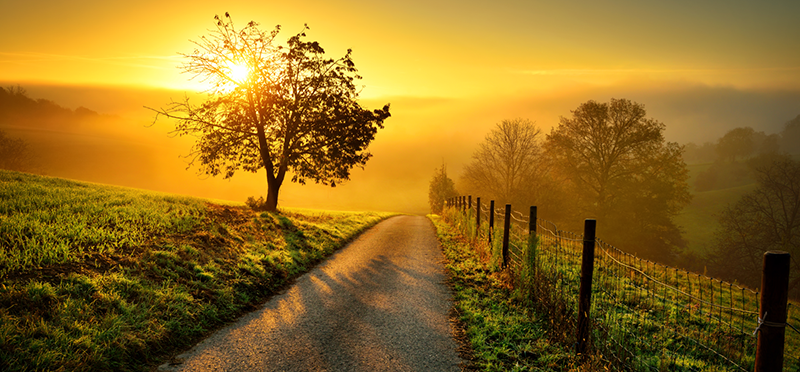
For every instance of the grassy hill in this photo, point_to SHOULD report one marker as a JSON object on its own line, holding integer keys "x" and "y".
{"x": 97, "y": 277}
{"x": 699, "y": 218}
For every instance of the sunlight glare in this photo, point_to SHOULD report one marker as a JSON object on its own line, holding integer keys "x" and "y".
{"x": 238, "y": 72}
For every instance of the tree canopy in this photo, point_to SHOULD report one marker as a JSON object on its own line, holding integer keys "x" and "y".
{"x": 285, "y": 109}
{"x": 507, "y": 164}
{"x": 738, "y": 142}
{"x": 618, "y": 168}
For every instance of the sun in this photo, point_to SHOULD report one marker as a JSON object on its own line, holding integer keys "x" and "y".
{"x": 238, "y": 72}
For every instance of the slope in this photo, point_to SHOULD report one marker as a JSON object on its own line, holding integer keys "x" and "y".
{"x": 97, "y": 277}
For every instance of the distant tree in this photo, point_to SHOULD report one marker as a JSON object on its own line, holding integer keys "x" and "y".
{"x": 619, "y": 169}
{"x": 790, "y": 136}
{"x": 282, "y": 109}
{"x": 506, "y": 164}
{"x": 767, "y": 218}
{"x": 770, "y": 144}
{"x": 738, "y": 142}
{"x": 441, "y": 188}
{"x": 14, "y": 154}
{"x": 699, "y": 154}
{"x": 18, "y": 109}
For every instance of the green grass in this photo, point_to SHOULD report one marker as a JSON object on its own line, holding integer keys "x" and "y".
{"x": 645, "y": 316}
{"x": 98, "y": 277}
{"x": 699, "y": 219}
{"x": 46, "y": 221}
{"x": 504, "y": 334}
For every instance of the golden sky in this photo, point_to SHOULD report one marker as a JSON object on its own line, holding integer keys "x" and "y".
{"x": 451, "y": 69}
{"x": 423, "y": 48}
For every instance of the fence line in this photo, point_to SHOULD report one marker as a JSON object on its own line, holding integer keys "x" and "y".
{"x": 646, "y": 316}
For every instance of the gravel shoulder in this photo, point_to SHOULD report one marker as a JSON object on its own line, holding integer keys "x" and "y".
{"x": 379, "y": 304}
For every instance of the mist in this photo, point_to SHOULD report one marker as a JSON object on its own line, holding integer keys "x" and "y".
{"x": 127, "y": 148}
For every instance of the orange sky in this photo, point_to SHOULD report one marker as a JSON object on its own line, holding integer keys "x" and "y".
{"x": 451, "y": 69}
{"x": 423, "y": 48}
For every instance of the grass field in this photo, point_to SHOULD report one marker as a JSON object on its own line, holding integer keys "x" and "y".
{"x": 504, "y": 334}
{"x": 98, "y": 277}
{"x": 645, "y": 316}
{"x": 699, "y": 219}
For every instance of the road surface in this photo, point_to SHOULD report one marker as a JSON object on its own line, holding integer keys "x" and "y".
{"x": 379, "y": 304}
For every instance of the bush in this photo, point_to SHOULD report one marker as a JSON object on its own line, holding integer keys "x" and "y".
{"x": 258, "y": 205}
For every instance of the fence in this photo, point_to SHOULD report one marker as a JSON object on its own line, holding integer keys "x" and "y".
{"x": 641, "y": 315}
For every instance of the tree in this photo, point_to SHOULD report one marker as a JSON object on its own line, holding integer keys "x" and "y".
{"x": 620, "y": 170}
{"x": 440, "y": 189}
{"x": 770, "y": 144}
{"x": 737, "y": 142}
{"x": 506, "y": 165}
{"x": 14, "y": 154}
{"x": 790, "y": 136}
{"x": 699, "y": 154}
{"x": 278, "y": 108}
{"x": 767, "y": 218}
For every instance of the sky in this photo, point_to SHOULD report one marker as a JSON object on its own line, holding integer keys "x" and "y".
{"x": 451, "y": 70}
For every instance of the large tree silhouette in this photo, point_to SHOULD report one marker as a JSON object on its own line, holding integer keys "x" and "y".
{"x": 619, "y": 169}
{"x": 280, "y": 108}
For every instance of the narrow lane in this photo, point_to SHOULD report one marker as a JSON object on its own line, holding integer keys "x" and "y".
{"x": 379, "y": 304}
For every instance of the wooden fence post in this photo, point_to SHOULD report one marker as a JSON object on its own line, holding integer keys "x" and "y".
{"x": 772, "y": 312}
{"x": 491, "y": 220}
{"x": 506, "y": 232}
{"x": 478, "y": 214}
{"x": 469, "y": 202}
{"x": 532, "y": 220}
{"x": 585, "y": 294}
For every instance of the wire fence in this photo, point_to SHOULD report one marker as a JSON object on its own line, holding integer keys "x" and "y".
{"x": 646, "y": 316}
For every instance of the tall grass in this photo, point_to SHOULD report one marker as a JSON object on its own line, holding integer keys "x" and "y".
{"x": 46, "y": 221}
{"x": 106, "y": 278}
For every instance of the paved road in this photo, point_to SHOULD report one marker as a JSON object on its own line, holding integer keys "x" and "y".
{"x": 379, "y": 304}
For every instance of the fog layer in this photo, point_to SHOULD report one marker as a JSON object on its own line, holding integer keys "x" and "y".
{"x": 123, "y": 146}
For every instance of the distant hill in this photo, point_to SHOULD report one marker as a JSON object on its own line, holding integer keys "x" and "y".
{"x": 18, "y": 109}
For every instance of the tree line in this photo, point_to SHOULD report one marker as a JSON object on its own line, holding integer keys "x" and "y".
{"x": 743, "y": 142}
{"x": 609, "y": 161}
{"x": 19, "y": 110}
{"x": 735, "y": 155}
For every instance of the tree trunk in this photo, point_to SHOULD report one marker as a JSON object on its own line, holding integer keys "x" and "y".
{"x": 273, "y": 185}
